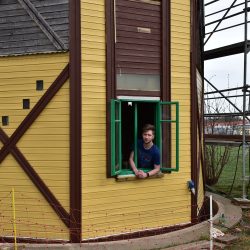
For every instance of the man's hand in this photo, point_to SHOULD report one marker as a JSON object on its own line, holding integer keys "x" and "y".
{"x": 136, "y": 171}
{"x": 142, "y": 174}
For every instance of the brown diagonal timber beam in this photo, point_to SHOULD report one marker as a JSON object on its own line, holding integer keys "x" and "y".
{"x": 34, "y": 113}
{"x": 38, "y": 182}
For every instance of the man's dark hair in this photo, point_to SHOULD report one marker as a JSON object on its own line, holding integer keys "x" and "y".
{"x": 147, "y": 127}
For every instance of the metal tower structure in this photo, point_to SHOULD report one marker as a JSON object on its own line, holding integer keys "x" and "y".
{"x": 242, "y": 47}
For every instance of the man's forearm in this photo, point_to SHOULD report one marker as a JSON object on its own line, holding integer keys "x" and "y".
{"x": 154, "y": 171}
{"x": 132, "y": 164}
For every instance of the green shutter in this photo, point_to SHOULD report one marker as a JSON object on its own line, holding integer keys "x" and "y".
{"x": 116, "y": 138}
{"x": 174, "y": 119}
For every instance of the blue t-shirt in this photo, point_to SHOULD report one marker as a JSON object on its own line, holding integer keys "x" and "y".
{"x": 147, "y": 158}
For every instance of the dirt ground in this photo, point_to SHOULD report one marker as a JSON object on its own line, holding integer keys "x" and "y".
{"x": 242, "y": 230}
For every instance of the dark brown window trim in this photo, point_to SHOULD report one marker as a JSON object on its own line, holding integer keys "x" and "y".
{"x": 194, "y": 110}
{"x": 110, "y": 74}
{"x": 166, "y": 73}
{"x": 37, "y": 181}
{"x": 75, "y": 122}
{"x": 111, "y": 92}
{"x": 138, "y": 93}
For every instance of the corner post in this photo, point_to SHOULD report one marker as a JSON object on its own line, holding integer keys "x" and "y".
{"x": 75, "y": 121}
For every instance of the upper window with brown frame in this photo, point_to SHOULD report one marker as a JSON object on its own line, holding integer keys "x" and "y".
{"x": 138, "y": 45}
{"x": 138, "y": 48}
{"x": 138, "y": 57}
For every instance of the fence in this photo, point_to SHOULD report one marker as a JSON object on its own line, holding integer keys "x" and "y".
{"x": 22, "y": 222}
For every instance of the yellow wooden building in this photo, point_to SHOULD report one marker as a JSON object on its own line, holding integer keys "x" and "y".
{"x": 78, "y": 79}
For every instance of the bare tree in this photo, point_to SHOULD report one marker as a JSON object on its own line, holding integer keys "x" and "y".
{"x": 217, "y": 155}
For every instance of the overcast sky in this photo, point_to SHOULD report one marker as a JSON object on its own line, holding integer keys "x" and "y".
{"x": 226, "y": 71}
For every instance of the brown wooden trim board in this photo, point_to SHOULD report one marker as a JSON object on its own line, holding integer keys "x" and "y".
{"x": 75, "y": 122}
{"x": 193, "y": 110}
{"x": 37, "y": 181}
{"x": 34, "y": 113}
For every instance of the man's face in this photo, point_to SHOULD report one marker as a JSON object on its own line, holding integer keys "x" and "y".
{"x": 148, "y": 136}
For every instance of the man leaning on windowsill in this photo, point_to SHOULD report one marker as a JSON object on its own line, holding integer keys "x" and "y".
{"x": 148, "y": 154}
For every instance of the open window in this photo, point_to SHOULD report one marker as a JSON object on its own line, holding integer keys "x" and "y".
{"x": 137, "y": 78}
{"x": 128, "y": 117}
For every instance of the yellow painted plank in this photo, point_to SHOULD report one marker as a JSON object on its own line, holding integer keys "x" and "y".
{"x": 30, "y": 218}
{"x": 184, "y": 2}
{"x": 98, "y": 30}
{"x": 92, "y": 58}
{"x": 89, "y": 12}
{"x": 175, "y": 22}
{"x": 89, "y": 68}
{"x": 91, "y": 3}
{"x": 181, "y": 12}
{"x": 34, "y": 59}
{"x": 183, "y": 7}
{"x": 94, "y": 139}
{"x": 87, "y": 18}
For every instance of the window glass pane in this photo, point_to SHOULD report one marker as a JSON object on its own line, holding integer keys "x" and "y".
{"x": 138, "y": 82}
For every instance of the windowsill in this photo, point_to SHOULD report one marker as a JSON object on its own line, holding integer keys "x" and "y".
{"x": 132, "y": 177}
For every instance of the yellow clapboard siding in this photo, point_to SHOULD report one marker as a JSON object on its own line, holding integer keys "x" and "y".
{"x": 180, "y": 63}
{"x": 175, "y": 23}
{"x": 180, "y": 42}
{"x": 180, "y": 7}
{"x": 181, "y": 179}
{"x": 95, "y": 64}
{"x": 92, "y": 32}
{"x": 94, "y": 13}
{"x": 31, "y": 218}
{"x": 93, "y": 5}
{"x": 100, "y": 193}
{"x": 132, "y": 197}
{"x": 182, "y": 57}
{"x": 180, "y": 19}
{"x": 133, "y": 211}
{"x": 95, "y": 51}
{"x": 33, "y": 60}
{"x": 32, "y": 68}
{"x": 129, "y": 205}
{"x": 103, "y": 215}
{"x": 183, "y": 47}
{"x": 48, "y": 137}
{"x": 180, "y": 35}
{"x": 94, "y": 58}
{"x": 95, "y": 70}
{"x": 115, "y": 220}
{"x": 124, "y": 189}
{"x": 93, "y": 108}
{"x": 93, "y": 76}
{"x": 89, "y": 42}
{"x": 112, "y": 187}
{"x": 37, "y": 73}
{"x": 92, "y": 20}
{"x": 184, "y": 2}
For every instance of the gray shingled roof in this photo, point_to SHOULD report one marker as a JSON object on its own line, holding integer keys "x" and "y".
{"x": 33, "y": 26}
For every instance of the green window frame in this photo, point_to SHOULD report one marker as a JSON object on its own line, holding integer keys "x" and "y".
{"x": 116, "y": 133}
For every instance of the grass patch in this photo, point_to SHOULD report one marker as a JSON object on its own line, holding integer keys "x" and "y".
{"x": 231, "y": 175}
